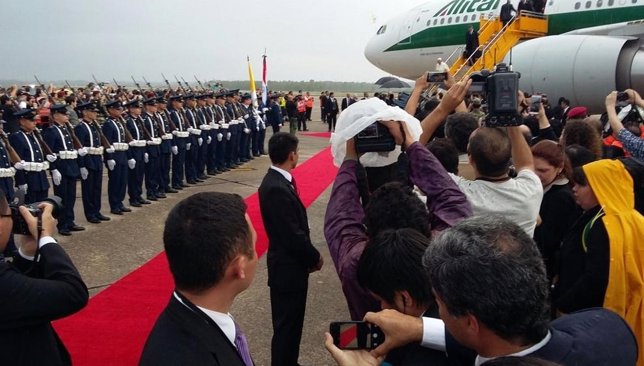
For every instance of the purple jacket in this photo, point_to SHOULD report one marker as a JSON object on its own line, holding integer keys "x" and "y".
{"x": 346, "y": 235}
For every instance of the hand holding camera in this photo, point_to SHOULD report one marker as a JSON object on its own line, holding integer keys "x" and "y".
{"x": 28, "y": 216}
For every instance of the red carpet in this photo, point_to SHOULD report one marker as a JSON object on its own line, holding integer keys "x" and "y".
{"x": 113, "y": 328}
{"x": 326, "y": 135}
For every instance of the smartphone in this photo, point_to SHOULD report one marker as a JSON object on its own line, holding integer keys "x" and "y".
{"x": 356, "y": 335}
{"x": 436, "y": 77}
{"x": 535, "y": 101}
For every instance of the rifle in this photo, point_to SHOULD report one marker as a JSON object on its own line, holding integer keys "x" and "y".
{"x": 45, "y": 148}
{"x": 187, "y": 85}
{"x": 75, "y": 141}
{"x": 137, "y": 85}
{"x": 104, "y": 141}
{"x": 167, "y": 82}
{"x": 13, "y": 155}
{"x": 181, "y": 86}
{"x": 199, "y": 82}
{"x": 148, "y": 84}
{"x": 70, "y": 87}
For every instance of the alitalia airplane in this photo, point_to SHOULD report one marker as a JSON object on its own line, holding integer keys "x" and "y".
{"x": 592, "y": 46}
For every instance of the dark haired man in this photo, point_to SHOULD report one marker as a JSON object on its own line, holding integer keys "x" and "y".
{"x": 458, "y": 129}
{"x": 210, "y": 244}
{"x": 36, "y": 291}
{"x": 291, "y": 255}
{"x": 117, "y": 162}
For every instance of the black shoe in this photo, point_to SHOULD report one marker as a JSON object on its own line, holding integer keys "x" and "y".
{"x": 103, "y": 217}
{"x": 94, "y": 220}
{"x": 226, "y": 169}
{"x": 152, "y": 198}
{"x": 198, "y": 180}
{"x": 145, "y": 202}
{"x": 126, "y": 209}
{"x": 256, "y": 155}
{"x": 161, "y": 195}
{"x": 76, "y": 228}
{"x": 185, "y": 185}
{"x": 134, "y": 204}
{"x": 174, "y": 189}
{"x": 212, "y": 172}
{"x": 191, "y": 182}
{"x": 64, "y": 232}
{"x": 116, "y": 212}
{"x": 203, "y": 177}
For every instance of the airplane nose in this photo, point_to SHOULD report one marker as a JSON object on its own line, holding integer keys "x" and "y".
{"x": 372, "y": 52}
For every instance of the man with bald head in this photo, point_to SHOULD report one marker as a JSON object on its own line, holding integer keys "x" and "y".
{"x": 491, "y": 152}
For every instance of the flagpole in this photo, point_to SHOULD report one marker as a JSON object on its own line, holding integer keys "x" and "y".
{"x": 264, "y": 81}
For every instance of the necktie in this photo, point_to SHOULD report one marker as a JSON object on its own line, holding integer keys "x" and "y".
{"x": 294, "y": 185}
{"x": 242, "y": 346}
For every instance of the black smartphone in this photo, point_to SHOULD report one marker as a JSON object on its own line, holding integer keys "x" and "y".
{"x": 436, "y": 77}
{"x": 535, "y": 101}
{"x": 356, "y": 335}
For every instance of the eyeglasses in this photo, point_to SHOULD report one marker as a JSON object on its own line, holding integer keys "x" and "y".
{"x": 6, "y": 215}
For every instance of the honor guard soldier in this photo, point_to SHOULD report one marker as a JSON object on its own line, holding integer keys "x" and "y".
{"x": 181, "y": 141}
{"x": 91, "y": 165}
{"x": 32, "y": 180}
{"x": 65, "y": 170}
{"x": 152, "y": 165}
{"x": 232, "y": 150}
{"x": 223, "y": 136}
{"x": 202, "y": 121}
{"x": 261, "y": 116}
{"x": 192, "y": 150}
{"x": 211, "y": 118}
{"x": 166, "y": 147}
{"x": 250, "y": 129}
{"x": 7, "y": 171}
{"x": 117, "y": 162}
{"x": 138, "y": 154}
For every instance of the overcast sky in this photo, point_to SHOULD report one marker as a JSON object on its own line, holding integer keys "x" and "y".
{"x": 305, "y": 39}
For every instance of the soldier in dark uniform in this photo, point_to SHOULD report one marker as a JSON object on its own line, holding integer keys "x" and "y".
{"x": 250, "y": 128}
{"x": 223, "y": 136}
{"x": 181, "y": 139}
{"x": 232, "y": 148}
{"x": 91, "y": 165}
{"x": 7, "y": 172}
{"x": 211, "y": 119}
{"x": 152, "y": 165}
{"x": 65, "y": 170}
{"x": 167, "y": 145}
{"x": 117, "y": 162}
{"x": 261, "y": 117}
{"x": 192, "y": 147}
{"x": 244, "y": 131}
{"x": 206, "y": 140}
{"x": 32, "y": 180}
{"x": 138, "y": 154}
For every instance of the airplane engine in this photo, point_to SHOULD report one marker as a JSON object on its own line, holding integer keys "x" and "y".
{"x": 582, "y": 68}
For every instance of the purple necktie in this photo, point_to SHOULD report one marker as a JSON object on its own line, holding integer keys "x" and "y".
{"x": 242, "y": 346}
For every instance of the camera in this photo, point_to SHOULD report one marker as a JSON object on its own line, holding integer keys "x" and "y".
{"x": 500, "y": 87}
{"x": 20, "y": 225}
{"x": 375, "y": 138}
{"x": 535, "y": 101}
{"x": 436, "y": 77}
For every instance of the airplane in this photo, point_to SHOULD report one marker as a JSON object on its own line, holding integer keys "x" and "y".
{"x": 592, "y": 46}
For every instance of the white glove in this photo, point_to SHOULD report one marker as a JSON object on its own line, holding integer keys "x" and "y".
{"x": 264, "y": 110}
{"x": 245, "y": 116}
{"x": 190, "y": 129}
{"x": 110, "y": 150}
{"x": 131, "y": 163}
{"x": 222, "y": 122}
{"x": 220, "y": 136}
{"x": 51, "y": 158}
{"x": 209, "y": 140}
{"x": 188, "y": 146}
{"x": 175, "y": 132}
{"x": 257, "y": 127}
{"x": 111, "y": 164}
{"x": 83, "y": 151}
{"x": 175, "y": 150}
{"x": 200, "y": 141}
{"x": 56, "y": 177}
{"x": 84, "y": 173}
{"x": 131, "y": 143}
{"x": 19, "y": 165}
{"x": 247, "y": 130}
{"x": 146, "y": 158}
{"x": 23, "y": 188}
{"x": 228, "y": 135}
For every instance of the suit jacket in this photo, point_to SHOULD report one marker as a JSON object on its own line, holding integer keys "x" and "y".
{"x": 182, "y": 337}
{"x": 54, "y": 289}
{"x": 345, "y": 103}
{"x": 290, "y": 252}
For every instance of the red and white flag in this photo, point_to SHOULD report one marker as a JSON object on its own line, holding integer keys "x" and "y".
{"x": 264, "y": 83}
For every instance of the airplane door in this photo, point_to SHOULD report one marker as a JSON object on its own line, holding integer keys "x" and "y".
{"x": 407, "y": 28}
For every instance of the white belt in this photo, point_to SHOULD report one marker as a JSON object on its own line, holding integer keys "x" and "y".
{"x": 68, "y": 155}
{"x": 232, "y": 123}
{"x": 205, "y": 127}
{"x": 225, "y": 126}
{"x": 215, "y": 127}
{"x": 7, "y": 172}
{"x": 167, "y": 136}
{"x": 138, "y": 143}
{"x": 35, "y": 167}
{"x": 183, "y": 133}
{"x": 120, "y": 146}
{"x": 95, "y": 150}
{"x": 154, "y": 141}
{"x": 195, "y": 131}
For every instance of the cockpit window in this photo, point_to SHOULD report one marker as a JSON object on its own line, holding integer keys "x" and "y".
{"x": 382, "y": 29}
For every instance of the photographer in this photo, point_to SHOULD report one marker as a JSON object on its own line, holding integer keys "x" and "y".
{"x": 40, "y": 285}
{"x": 633, "y": 144}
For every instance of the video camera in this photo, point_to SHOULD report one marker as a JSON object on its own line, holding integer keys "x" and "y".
{"x": 20, "y": 225}
{"x": 500, "y": 87}
{"x": 375, "y": 138}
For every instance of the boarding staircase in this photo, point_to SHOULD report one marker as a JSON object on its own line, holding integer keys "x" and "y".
{"x": 495, "y": 41}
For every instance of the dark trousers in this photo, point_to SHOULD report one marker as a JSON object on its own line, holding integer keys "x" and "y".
{"x": 91, "y": 190}
{"x": 323, "y": 114}
{"x": 211, "y": 155}
{"x": 308, "y": 113}
{"x": 276, "y": 128}
{"x": 152, "y": 176}
{"x": 220, "y": 150}
{"x": 331, "y": 119}
{"x": 301, "y": 121}
{"x": 202, "y": 154}
{"x": 117, "y": 185}
{"x": 261, "y": 137}
{"x": 178, "y": 163}
{"x": 230, "y": 142}
{"x": 136, "y": 175}
{"x": 164, "y": 166}
{"x": 66, "y": 190}
{"x": 287, "y": 311}
{"x": 244, "y": 146}
{"x": 236, "y": 139}
{"x": 191, "y": 160}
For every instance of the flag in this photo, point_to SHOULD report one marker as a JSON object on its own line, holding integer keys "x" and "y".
{"x": 253, "y": 93}
{"x": 264, "y": 84}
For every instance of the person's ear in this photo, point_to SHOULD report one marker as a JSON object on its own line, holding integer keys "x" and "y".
{"x": 237, "y": 267}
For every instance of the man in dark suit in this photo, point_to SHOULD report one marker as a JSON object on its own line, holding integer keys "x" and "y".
{"x": 331, "y": 110}
{"x": 506, "y": 12}
{"x": 210, "y": 245}
{"x": 52, "y": 289}
{"x": 471, "y": 44}
{"x": 291, "y": 255}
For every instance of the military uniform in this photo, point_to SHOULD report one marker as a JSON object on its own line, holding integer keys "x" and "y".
{"x": 117, "y": 161}
{"x": 223, "y": 136}
{"x": 153, "y": 164}
{"x": 138, "y": 153}
{"x": 192, "y": 148}
{"x": 181, "y": 140}
{"x": 166, "y": 147}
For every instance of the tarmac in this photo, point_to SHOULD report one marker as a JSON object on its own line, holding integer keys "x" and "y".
{"x": 106, "y": 252}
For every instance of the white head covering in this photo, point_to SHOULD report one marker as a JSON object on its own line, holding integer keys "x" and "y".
{"x": 357, "y": 117}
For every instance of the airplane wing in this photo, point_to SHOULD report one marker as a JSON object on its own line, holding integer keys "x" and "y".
{"x": 633, "y": 28}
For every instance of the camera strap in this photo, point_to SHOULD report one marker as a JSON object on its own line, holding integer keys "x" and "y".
{"x": 37, "y": 254}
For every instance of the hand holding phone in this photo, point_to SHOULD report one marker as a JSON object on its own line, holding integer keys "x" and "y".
{"x": 436, "y": 77}
{"x": 356, "y": 335}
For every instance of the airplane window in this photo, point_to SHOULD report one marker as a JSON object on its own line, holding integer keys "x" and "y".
{"x": 474, "y": 17}
{"x": 442, "y": 20}
{"x": 611, "y": 2}
{"x": 588, "y": 4}
{"x": 449, "y": 20}
{"x": 435, "y": 21}
{"x": 382, "y": 30}
{"x": 465, "y": 18}
{"x": 577, "y": 6}
{"x": 417, "y": 19}
{"x": 429, "y": 21}
{"x": 599, "y": 3}
{"x": 458, "y": 18}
